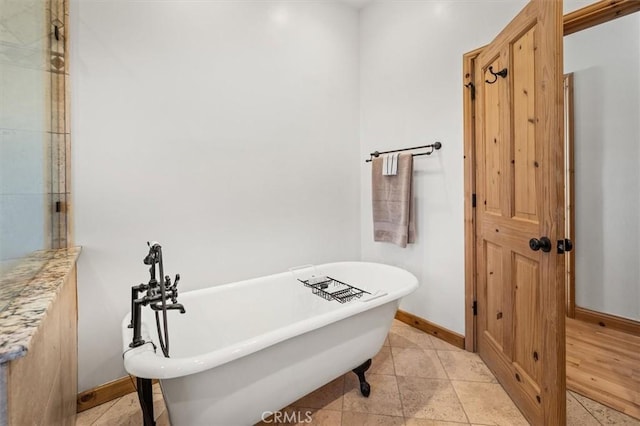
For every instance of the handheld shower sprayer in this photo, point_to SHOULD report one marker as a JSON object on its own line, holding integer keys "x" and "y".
{"x": 152, "y": 257}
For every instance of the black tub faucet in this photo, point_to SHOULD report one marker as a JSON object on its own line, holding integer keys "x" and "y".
{"x": 157, "y": 295}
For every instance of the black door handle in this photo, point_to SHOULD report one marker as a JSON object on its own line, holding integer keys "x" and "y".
{"x": 543, "y": 244}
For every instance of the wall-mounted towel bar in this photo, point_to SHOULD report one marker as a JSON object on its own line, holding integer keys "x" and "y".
{"x": 434, "y": 147}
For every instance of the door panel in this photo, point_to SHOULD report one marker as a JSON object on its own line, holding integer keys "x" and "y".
{"x": 524, "y": 129}
{"x": 519, "y": 182}
{"x": 495, "y": 281}
{"x": 492, "y": 152}
{"x": 526, "y": 276}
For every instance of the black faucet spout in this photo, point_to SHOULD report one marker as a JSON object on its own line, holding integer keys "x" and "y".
{"x": 177, "y": 306}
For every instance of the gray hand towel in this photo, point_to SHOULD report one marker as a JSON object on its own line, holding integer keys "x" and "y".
{"x": 393, "y": 219}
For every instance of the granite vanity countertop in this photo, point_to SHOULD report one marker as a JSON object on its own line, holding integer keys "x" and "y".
{"x": 28, "y": 290}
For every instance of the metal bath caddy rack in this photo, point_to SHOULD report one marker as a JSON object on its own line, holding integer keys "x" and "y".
{"x": 332, "y": 289}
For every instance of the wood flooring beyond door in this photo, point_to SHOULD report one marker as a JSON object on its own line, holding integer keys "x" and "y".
{"x": 604, "y": 365}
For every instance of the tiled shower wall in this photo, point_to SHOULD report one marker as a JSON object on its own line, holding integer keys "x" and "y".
{"x": 34, "y": 127}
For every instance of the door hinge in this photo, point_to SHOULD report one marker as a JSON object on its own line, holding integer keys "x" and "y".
{"x": 475, "y": 308}
{"x": 473, "y": 200}
{"x": 472, "y": 89}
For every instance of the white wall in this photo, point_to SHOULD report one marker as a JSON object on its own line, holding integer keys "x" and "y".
{"x": 605, "y": 61}
{"x": 226, "y": 130}
{"x": 411, "y": 94}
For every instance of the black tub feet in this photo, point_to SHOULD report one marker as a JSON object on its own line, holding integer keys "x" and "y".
{"x": 145, "y": 395}
{"x": 365, "y": 389}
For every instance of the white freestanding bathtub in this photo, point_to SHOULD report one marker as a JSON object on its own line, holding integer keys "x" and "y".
{"x": 255, "y": 346}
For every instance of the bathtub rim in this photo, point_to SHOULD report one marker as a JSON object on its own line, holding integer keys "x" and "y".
{"x": 146, "y": 362}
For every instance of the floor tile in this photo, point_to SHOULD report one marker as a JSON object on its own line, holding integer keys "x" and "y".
{"x": 416, "y": 380}
{"x": 428, "y": 422}
{"x": 158, "y": 405}
{"x": 163, "y": 419}
{"x": 303, "y": 416}
{"x": 441, "y": 345}
{"x": 125, "y": 412}
{"x": 399, "y": 324}
{"x": 384, "y": 398}
{"x": 409, "y": 337}
{"x": 328, "y": 397}
{"x": 382, "y": 363}
{"x": 398, "y": 341}
{"x": 417, "y": 363}
{"x": 430, "y": 399}
{"x": 467, "y": 366}
{"x": 488, "y": 403}
{"x": 122, "y": 411}
{"x": 157, "y": 388}
{"x": 577, "y": 415}
{"x": 605, "y": 415}
{"x": 315, "y": 417}
{"x": 366, "y": 419}
{"x": 88, "y": 417}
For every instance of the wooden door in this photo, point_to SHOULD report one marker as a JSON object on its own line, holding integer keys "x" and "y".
{"x": 519, "y": 185}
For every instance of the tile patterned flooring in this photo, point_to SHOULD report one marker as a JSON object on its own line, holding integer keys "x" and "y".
{"x": 416, "y": 380}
